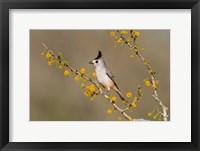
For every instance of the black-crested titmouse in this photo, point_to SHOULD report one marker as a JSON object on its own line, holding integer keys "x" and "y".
{"x": 105, "y": 76}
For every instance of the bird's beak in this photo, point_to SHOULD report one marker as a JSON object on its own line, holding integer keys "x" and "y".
{"x": 91, "y": 62}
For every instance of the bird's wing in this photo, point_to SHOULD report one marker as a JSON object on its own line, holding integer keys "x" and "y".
{"x": 109, "y": 73}
{"x": 111, "y": 76}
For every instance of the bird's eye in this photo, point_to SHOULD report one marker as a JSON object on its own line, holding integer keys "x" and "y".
{"x": 96, "y": 61}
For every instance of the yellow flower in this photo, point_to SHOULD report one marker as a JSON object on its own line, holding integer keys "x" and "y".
{"x": 66, "y": 72}
{"x": 42, "y": 53}
{"x": 134, "y": 105}
{"x": 118, "y": 40}
{"x": 88, "y": 87}
{"x": 129, "y": 95}
{"x": 92, "y": 86}
{"x": 60, "y": 53}
{"x": 76, "y": 78}
{"x": 49, "y": 63}
{"x": 109, "y": 111}
{"x": 113, "y": 99}
{"x": 82, "y": 85}
{"x": 86, "y": 94}
{"x": 60, "y": 67}
{"x": 149, "y": 114}
{"x": 82, "y": 70}
{"x": 124, "y": 102}
{"x": 92, "y": 89}
{"x": 147, "y": 83}
{"x": 119, "y": 118}
{"x": 150, "y": 71}
{"x": 134, "y": 31}
{"x": 136, "y": 98}
{"x": 139, "y": 90}
{"x": 48, "y": 55}
{"x": 94, "y": 74}
{"x": 112, "y": 33}
{"x": 153, "y": 86}
{"x": 123, "y": 32}
{"x": 157, "y": 82}
{"x": 137, "y": 34}
{"x": 145, "y": 62}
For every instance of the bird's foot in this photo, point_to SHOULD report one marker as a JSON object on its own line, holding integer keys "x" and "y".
{"x": 96, "y": 83}
{"x": 104, "y": 93}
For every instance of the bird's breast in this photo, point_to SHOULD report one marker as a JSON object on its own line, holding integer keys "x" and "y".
{"x": 103, "y": 78}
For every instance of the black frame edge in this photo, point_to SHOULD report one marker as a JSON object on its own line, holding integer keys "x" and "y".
{"x": 4, "y": 77}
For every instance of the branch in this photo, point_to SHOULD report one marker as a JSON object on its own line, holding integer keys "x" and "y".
{"x": 155, "y": 92}
{"x": 116, "y": 107}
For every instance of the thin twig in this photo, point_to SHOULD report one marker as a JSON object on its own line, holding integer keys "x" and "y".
{"x": 155, "y": 92}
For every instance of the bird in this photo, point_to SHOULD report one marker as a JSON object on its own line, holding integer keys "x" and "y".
{"x": 105, "y": 76}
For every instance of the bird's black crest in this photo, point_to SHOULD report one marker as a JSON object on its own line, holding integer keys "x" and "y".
{"x": 99, "y": 55}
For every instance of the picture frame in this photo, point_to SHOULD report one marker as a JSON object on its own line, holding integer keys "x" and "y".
{"x": 5, "y": 5}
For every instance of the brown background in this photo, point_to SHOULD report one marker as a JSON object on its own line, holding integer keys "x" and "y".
{"x": 54, "y": 97}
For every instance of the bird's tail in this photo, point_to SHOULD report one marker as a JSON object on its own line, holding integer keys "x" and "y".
{"x": 120, "y": 95}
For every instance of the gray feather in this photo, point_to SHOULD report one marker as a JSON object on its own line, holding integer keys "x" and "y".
{"x": 111, "y": 76}
{"x": 109, "y": 73}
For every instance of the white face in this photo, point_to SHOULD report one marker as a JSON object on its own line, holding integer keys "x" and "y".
{"x": 98, "y": 63}
{"x": 95, "y": 62}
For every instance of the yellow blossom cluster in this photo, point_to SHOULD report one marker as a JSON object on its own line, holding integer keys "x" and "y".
{"x": 135, "y": 98}
{"x": 123, "y": 32}
{"x": 126, "y": 37}
{"x": 48, "y": 55}
{"x": 55, "y": 59}
{"x": 136, "y": 33}
{"x": 90, "y": 90}
{"x": 155, "y": 115}
{"x": 134, "y": 105}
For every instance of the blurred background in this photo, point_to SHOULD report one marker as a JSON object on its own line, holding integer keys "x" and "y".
{"x": 54, "y": 97}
